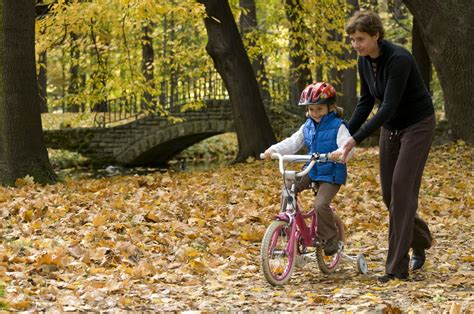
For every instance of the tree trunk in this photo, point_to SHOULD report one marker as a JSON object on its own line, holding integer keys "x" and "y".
{"x": 225, "y": 46}
{"x": 148, "y": 56}
{"x": 22, "y": 149}
{"x": 43, "y": 81}
{"x": 248, "y": 23}
{"x": 74, "y": 81}
{"x": 164, "y": 67}
{"x": 446, "y": 28}
{"x": 421, "y": 55}
{"x": 99, "y": 76}
{"x": 300, "y": 74}
{"x": 395, "y": 7}
{"x": 348, "y": 100}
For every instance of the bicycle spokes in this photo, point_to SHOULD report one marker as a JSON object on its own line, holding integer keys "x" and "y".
{"x": 278, "y": 253}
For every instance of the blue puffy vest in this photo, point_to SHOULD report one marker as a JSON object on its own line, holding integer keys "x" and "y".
{"x": 322, "y": 138}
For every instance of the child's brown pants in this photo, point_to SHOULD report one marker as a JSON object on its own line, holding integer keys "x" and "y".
{"x": 327, "y": 229}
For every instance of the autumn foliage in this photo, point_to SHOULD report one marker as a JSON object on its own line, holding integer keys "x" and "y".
{"x": 190, "y": 241}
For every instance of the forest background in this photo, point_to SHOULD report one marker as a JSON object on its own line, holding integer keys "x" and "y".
{"x": 151, "y": 242}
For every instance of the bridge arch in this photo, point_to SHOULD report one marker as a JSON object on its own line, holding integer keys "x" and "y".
{"x": 159, "y": 145}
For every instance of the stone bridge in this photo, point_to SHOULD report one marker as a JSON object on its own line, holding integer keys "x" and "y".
{"x": 151, "y": 140}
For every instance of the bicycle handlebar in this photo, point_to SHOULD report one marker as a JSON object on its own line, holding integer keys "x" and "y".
{"x": 313, "y": 159}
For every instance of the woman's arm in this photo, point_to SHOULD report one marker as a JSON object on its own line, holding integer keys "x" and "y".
{"x": 364, "y": 105}
{"x": 343, "y": 136}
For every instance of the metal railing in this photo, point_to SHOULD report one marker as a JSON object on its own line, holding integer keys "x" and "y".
{"x": 173, "y": 95}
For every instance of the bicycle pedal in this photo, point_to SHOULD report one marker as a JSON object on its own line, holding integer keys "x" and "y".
{"x": 301, "y": 261}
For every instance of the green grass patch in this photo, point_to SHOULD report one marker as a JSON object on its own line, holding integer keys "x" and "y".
{"x": 3, "y": 304}
{"x": 219, "y": 147}
{"x": 55, "y": 121}
{"x": 64, "y": 159}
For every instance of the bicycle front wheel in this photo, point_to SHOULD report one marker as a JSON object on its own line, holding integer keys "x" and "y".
{"x": 277, "y": 257}
{"x": 328, "y": 264}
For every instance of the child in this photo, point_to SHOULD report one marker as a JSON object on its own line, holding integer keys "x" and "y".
{"x": 323, "y": 132}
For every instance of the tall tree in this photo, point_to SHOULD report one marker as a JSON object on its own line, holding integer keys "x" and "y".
{"x": 446, "y": 28}
{"x": 421, "y": 55}
{"x": 300, "y": 74}
{"x": 349, "y": 76}
{"x": 226, "y": 49}
{"x": 43, "y": 81}
{"x": 249, "y": 28}
{"x": 22, "y": 149}
{"x": 43, "y": 65}
{"x": 148, "y": 65}
{"x": 74, "y": 79}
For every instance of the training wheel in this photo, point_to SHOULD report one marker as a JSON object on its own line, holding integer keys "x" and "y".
{"x": 362, "y": 265}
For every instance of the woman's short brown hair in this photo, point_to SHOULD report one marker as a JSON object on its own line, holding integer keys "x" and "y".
{"x": 366, "y": 21}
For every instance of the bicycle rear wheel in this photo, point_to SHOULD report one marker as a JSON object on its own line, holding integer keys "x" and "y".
{"x": 328, "y": 264}
{"x": 276, "y": 257}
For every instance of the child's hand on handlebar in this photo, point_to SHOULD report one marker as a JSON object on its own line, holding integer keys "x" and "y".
{"x": 268, "y": 153}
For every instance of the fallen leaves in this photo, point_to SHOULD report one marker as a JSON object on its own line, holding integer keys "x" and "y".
{"x": 191, "y": 241}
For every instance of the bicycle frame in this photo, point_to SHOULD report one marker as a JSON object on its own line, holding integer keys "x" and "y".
{"x": 300, "y": 229}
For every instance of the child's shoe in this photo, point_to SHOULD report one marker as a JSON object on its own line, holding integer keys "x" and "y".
{"x": 331, "y": 246}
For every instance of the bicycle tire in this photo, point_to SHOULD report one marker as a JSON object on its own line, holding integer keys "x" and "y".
{"x": 328, "y": 264}
{"x": 276, "y": 272}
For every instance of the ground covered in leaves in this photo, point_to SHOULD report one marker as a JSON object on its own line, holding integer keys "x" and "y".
{"x": 190, "y": 241}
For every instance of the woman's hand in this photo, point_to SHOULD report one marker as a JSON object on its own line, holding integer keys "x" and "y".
{"x": 335, "y": 155}
{"x": 348, "y": 146}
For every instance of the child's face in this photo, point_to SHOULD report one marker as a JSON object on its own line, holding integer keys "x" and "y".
{"x": 316, "y": 112}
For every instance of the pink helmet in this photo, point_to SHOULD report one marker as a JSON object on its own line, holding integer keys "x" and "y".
{"x": 320, "y": 93}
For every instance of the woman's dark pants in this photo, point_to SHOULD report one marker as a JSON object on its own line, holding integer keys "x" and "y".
{"x": 403, "y": 155}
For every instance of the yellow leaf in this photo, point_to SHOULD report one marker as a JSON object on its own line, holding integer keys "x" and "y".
{"x": 26, "y": 214}
{"x": 21, "y": 305}
{"x": 191, "y": 252}
{"x": 468, "y": 259}
{"x": 251, "y": 233}
{"x": 118, "y": 204}
{"x": 51, "y": 258}
{"x": 319, "y": 299}
{"x": 25, "y": 181}
{"x": 99, "y": 220}
{"x": 125, "y": 301}
{"x": 151, "y": 217}
{"x": 198, "y": 267}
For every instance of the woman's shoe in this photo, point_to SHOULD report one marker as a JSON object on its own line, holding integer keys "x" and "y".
{"x": 418, "y": 259}
{"x": 387, "y": 277}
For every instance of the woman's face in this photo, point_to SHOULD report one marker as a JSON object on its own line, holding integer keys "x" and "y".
{"x": 316, "y": 112}
{"x": 365, "y": 44}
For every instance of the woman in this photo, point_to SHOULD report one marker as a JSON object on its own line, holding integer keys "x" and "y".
{"x": 389, "y": 73}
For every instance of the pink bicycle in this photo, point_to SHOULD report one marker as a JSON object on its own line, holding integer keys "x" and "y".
{"x": 289, "y": 241}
